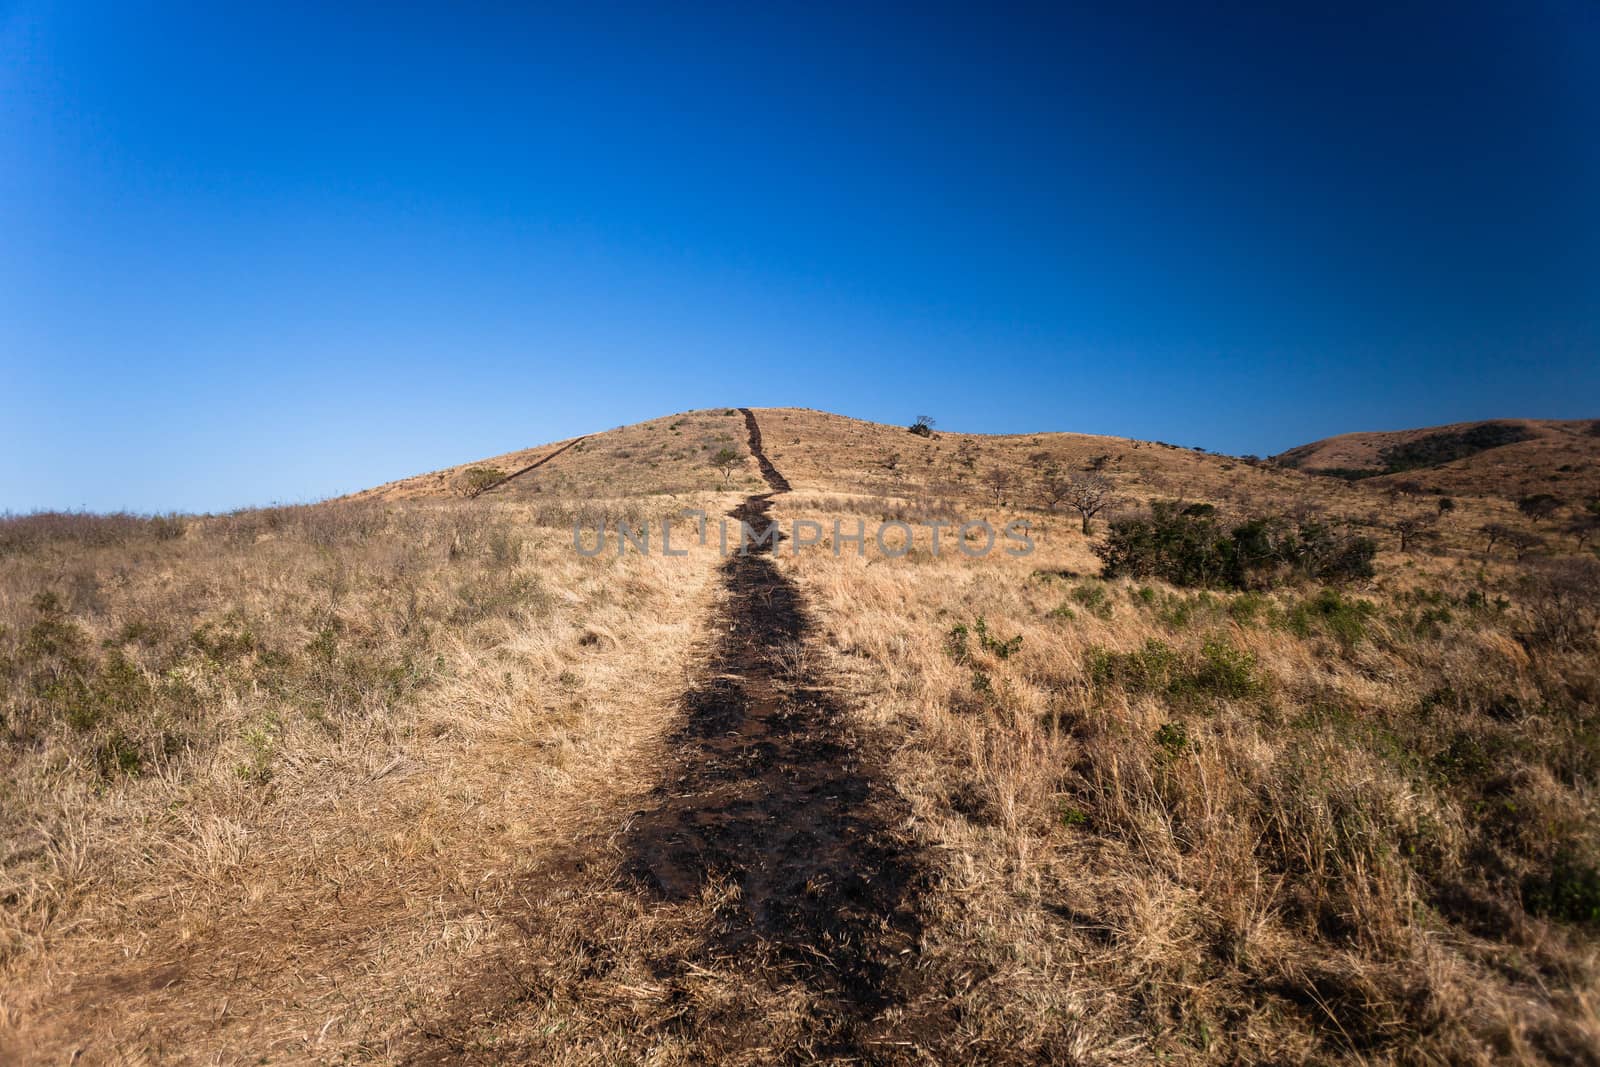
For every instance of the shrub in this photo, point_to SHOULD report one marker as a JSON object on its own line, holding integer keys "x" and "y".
{"x": 999, "y": 648}
{"x": 1219, "y": 670}
{"x": 475, "y": 481}
{"x": 1329, "y": 610}
{"x": 1562, "y": 599}
{"x": 1570, "y": 890}
{"x": 1187, "y": 546}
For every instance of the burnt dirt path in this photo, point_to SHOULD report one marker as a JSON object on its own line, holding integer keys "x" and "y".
{"x": 757, "y": 901}
{"x": 772, "y": 793}
{"x": 535, "y": 465}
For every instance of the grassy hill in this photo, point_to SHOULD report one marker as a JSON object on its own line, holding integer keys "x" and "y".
{"x": 1503, "y": 457}
{"x": 366, "y": 780}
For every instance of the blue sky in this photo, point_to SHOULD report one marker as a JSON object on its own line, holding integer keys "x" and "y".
{"x": 278, "y": 254}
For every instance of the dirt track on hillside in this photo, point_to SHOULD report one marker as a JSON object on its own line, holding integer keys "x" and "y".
{"x": 770, "y": 791}
{"x": 761, "y": 902}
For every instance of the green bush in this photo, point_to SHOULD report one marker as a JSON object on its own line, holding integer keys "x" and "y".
{"x": 1344, "y": 618}
{"x": 1570, "y": 890}
{"x": 1187, "y": 546}
{"x": 1000, "y": 648}
{"x": 1219, "y": 670}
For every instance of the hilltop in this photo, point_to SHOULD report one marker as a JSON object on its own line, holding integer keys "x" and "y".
{"x": 1502, "y": 457}
{"x": 824, "y": 452}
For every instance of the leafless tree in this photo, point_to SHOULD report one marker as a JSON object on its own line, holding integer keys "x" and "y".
{"x": 1053, "y": 487}
{"x": 1522, "y": 543}
{"x": 1414, "y": 528}
{"x": 1088, "y": 495}
{"x": 998, "y": 480}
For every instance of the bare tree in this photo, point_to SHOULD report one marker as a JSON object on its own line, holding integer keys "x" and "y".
{"x": 1053, "y": 487}
{"x": 998, "y": 480}
{"x": 1522, "y": 542}
{"x": 923, "y": 426}
{"x": 1088, "y": 495}
{"x": 1414, "y": 528}
{"x": 1493, "y": 533}
{"x": 727, "y": 461}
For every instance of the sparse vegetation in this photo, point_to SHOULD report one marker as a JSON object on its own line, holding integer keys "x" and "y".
{"x": 726, "y": 461}
{"x": 1231, "y": 786}
{"x": 1186, "y": 544}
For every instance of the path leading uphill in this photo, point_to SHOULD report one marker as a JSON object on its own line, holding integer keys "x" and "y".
{"x": 535, "y": 465}
{"x": 758, "y": 904}
{"x": 770, "y": 790}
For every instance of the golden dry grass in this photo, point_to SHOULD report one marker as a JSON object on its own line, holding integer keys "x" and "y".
{"x": 354, "y": 726}
{"x": 344, "y": 783}
{"x": 1202, "y": 827}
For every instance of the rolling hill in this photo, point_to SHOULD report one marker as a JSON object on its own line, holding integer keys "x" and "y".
{"x": 403, "y": 777}
{"x": 1501, "y": 457}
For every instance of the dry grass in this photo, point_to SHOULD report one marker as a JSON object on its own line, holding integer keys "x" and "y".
{"x": 268, "y": 783}
{"x": 345, "y": 783}
{"x": 1214, "y": 827}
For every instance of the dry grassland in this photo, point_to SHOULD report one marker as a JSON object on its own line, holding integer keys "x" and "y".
{"x": 271, "y": 778}
{"x": 398, "y": 778}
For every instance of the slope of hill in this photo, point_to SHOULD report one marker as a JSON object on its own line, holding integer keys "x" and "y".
{"x": 403, "y": 777}
{"x": 1503, "y": 457}
{"x": 835, "y": 453}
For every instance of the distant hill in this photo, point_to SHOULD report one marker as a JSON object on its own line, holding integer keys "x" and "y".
{"x": 1498, "y": 457}
{"x": 823, "y": 452}
{"x": 826, "y": 453}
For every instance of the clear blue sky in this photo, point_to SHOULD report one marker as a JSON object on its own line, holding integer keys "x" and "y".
{"x": 277, "y": 254}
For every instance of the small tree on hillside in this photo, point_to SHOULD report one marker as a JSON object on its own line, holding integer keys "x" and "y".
{"x": 727, "y": 461}
{"x": 1539, "y": 506}
{"x": 1088, "y": 495}
{"x": 1053, "y": 486}
{"x": 998, "y": 480}
{"x": 1522, "y": 543}
{"x": 1446, "y": 505}
{"x": 923, "y": 426}
{"x": 1583, "y": 528}
{"x": 1493, "y": 534}
{"x": 1414, "y": 528}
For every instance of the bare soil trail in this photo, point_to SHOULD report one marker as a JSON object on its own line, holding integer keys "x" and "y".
{"x": 535, "y": 465}
{"x": 771, "y": 792}
{"x": 759, "y": 904}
